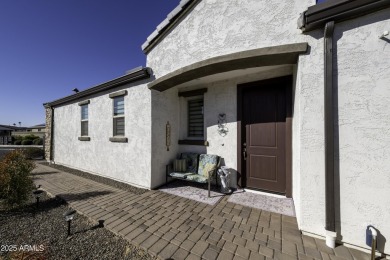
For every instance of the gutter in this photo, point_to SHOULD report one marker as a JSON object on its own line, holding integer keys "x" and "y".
{"x": 326, "y": 15}
{"x": 317, "y": 16}
{"x": 52, "y": 135}
{"x": 134, "y": 75}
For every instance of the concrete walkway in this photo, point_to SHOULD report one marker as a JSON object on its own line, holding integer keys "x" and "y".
{"x": 172, "y": 227}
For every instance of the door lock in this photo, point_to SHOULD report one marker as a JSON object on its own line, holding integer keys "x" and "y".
{"x": 244, "y": 150}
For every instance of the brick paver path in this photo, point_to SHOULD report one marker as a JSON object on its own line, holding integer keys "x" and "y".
{"x": 172, "y": 227}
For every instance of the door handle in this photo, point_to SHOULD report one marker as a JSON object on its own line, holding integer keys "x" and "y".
{"x": 244, "y": 150}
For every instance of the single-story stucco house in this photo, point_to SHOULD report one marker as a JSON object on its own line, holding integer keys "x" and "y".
{"x": 293, "y": 95}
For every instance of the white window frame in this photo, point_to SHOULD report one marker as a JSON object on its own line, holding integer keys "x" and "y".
{"x": 84, "y": 120}
{"x": 115, "y": 130}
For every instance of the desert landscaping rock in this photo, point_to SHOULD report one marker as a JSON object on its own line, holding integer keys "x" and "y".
{"x": 46, "y": 228}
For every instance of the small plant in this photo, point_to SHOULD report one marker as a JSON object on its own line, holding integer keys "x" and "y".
{"x": 30, "y": 137}
{"x": 33, "y": 152}
{"x": 38, "y": 141}
{"x": 27, "y": 142}
{"x": 18, "y": 142}
{"x": 15, "y": 182}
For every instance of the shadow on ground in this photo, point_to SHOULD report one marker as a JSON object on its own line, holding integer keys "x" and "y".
{"x": 71, "y": 197}
{"x": 43, "y": 173}
{"x": 32, "y": 208}
{"x": 99, "y": 225}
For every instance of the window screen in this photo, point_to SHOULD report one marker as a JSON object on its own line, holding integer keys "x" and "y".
{"x": 195, "y": 118}
{"x": 84, "y": 120}
{"x": 119, "y": 116}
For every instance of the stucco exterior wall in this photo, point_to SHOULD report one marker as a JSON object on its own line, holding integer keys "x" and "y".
{"x": 165, "y": 108}
{"x": 364, "y": 126}
{"x": 215, "y": 28}
{"x": 127, "y": 162}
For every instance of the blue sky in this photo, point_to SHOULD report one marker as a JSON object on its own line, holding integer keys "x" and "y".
{"x": 49, "y": 47}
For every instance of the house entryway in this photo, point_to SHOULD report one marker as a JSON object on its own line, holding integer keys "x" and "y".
{"x": 264, "y": 135}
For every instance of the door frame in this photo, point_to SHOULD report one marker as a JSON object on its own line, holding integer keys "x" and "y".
{"x": 288, "y": 80}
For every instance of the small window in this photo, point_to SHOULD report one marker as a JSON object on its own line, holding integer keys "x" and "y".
{"x": 84, "y": 120}
{"x": 195, "y": 117}
{"x": 119, "y": 116}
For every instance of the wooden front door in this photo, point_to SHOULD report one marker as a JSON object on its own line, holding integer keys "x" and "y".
{"x": 265, "y": 134}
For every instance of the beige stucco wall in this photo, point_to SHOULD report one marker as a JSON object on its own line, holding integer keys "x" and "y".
{"x": 217, "y": 27}
{"x": 127, "y": 162}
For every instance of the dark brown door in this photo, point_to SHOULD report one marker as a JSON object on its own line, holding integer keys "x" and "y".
{"x": 263, "y": 129}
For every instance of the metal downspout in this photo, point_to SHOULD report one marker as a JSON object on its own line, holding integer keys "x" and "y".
{"x": 52, "y": 135}
{"x": 330, "y": 217}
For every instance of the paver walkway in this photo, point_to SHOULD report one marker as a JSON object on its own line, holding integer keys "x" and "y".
{"x": 172, "y": 227}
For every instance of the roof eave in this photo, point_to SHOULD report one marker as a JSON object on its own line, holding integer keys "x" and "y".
{"x": 165, "y": 26}
{"x": 267, "y": 56}
{"x": 318, "y": 15}
{"x": 136, "y": 75}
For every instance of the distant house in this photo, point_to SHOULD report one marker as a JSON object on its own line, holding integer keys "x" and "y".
{"x": 37, "y": 130}
{"x": 7, "y": 131}
{"x": 304, "y": 111}
{"x": 5, "y": 134}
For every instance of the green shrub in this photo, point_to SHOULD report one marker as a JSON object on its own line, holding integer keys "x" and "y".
{"x": 17, "y": 137}
{"x": 18, "y": 142}
{"x": 38, "y": 141}
{"x": 33, "y": 152}
{"x": 27, "y": 142}
{"x": 15, "y": 182}
{"x": 30, "y": 137}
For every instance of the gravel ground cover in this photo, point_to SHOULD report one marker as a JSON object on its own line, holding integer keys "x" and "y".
{"x": 31, "y": 233}
{"x": 3, "y": 152}
{"x": 107, "y": 181}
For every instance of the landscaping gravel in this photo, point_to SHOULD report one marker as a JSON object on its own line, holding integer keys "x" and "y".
{"x": 42, "y": 234}
{"x": 4, "y": 151}
{"x": 107, "y": 181}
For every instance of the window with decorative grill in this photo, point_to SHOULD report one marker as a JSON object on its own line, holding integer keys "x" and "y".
{"x": 195, "y": 118}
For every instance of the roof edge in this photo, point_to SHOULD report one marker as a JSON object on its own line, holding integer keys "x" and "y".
{"x": 318, "y": 15}
{"x": 163, "y": 28}
{"x": 135, "y": 75}
{"x": 266, "y": 56}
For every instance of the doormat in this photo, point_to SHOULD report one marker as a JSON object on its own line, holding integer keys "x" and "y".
{"x": 283, "y": 206}
{"x": 192, "y": 191}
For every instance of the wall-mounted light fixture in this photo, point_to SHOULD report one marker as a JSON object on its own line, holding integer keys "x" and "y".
{"x": 222, "y": 129}
{"x": 384, "y": 34}
{"x": 168, "y": 135}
